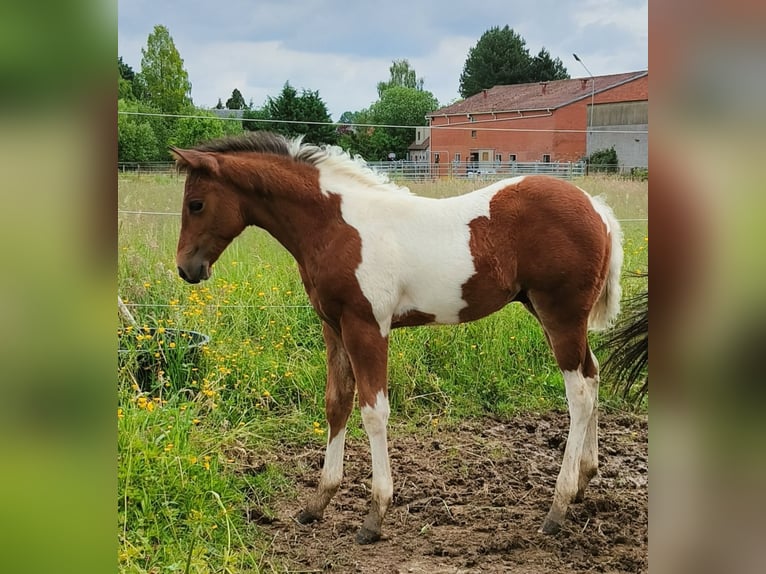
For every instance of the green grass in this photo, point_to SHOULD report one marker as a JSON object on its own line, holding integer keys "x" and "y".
{"x": 184, "y": 484}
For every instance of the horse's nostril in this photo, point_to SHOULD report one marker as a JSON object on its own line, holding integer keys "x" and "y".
{"x": 182, "y": 273}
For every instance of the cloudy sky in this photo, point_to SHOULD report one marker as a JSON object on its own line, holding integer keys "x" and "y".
{"x": 344, "y": 48}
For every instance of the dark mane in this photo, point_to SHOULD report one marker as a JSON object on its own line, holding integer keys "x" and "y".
{"x": 261, "y": 142}
{"x": 324, "y": 157}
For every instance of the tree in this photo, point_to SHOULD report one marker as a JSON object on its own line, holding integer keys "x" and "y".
{"x": 126, "y": 72}
{"x": 501, "y": 57}
{"x": 546, "y": 69}
{"x": 256, "y": 114}
{"x": 401, "y": 75}
{"x": 190, "y": 132}
{"x": 236, "y": 101}
{"x": 219, "y": 105}
{"x": 401, "y": 106}
{"x": 165, "y": 81}
{"x": 293, "y": 109}
{"x": 136, "y": 139}
{"x": 127, "y": 87}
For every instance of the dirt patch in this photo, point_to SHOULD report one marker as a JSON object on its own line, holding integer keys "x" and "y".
{"x": 470, "y": 499}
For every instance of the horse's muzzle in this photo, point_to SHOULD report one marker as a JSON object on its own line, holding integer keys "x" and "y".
{"x": 202, "y": 273}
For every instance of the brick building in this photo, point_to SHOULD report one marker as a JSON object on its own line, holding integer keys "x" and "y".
{"x": 544, "y": 122}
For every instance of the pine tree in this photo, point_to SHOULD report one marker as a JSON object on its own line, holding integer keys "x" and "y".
{"x": 501, "y": 57}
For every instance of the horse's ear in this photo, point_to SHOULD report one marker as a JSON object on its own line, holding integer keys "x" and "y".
{"x": 188, "y": 159}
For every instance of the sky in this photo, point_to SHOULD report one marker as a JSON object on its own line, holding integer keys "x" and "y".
{"x": 342, "y": 49}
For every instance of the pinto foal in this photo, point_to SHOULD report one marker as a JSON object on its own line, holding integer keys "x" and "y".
{"x": 374, "y": 257}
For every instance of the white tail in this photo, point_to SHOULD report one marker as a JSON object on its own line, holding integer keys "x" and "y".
{"x": 607, "y": 306}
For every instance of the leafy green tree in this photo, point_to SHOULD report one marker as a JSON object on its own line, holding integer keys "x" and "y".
{"x": 127, "y": 87}
{"x": 136, "y": 138}
{"x": 236, "y": 101}
{"x": 501, "y": 57}
{"x": 190, "y": 132}
{"x": 292, "y": 110}
{"x": 124, "y": 89}
{"x": 401, "y": 106}
{"x": 347, "y": 117}
{"x": 402, "y": 101}
{"x": 126, "y": 72}
{"x": 401, "y": 75}
{"x": 165, "y": 81}
{"x": 219, "y": 105}
{"x": 259, "y": 115}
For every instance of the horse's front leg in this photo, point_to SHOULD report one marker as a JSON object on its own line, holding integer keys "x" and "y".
{"x": 368, "y": 352}
{"x": 339, "y": 400}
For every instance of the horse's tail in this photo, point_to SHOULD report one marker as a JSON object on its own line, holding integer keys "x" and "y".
{"x": 607, "y": 306}
{"x": 626, "y": 347}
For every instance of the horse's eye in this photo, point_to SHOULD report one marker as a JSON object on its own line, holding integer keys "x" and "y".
{"x": 195, "y": 206}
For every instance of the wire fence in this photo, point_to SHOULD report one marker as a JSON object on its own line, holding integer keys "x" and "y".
{"x": 397, "y": 170}
{"x": 420, "y": 170}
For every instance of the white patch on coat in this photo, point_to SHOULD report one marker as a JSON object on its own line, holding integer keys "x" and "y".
{"x": 332, "y": 472}
{"x": 416, "y": 252}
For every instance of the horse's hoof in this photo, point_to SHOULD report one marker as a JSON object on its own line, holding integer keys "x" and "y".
{"x": 550, "y": 527}
{"x": 306, "y": 517}
{"x": 365, "y": 536}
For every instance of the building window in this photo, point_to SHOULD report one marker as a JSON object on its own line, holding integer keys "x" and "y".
{"x": 473, "y": 134}
{"x": 457, "y": 158}
{"x": 436, "y": 158}
{"x": 498, "y": 158}
{"x": 511, "y": 157}
{"x": 546, "y": 158}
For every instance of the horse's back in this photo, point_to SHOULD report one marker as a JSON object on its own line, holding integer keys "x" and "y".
{"x": 542, "y": 234}
{"x": 457, "y": 259}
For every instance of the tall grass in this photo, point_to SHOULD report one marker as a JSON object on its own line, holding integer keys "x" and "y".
{"x": 188, "y": 440}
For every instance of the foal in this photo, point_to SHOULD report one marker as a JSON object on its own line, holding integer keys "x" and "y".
{"x": 374, "y": 257}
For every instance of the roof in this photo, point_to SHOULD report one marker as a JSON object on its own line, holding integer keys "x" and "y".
{"x": 420, "y": 146}
{"x": 227, "y": 113}
{"x": 537, "y": 95}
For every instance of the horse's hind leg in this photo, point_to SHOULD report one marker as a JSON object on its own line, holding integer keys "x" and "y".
{"x": 339, "y": 401}
{"x": 566, "y": 332}
{"x": 589, "y": 460}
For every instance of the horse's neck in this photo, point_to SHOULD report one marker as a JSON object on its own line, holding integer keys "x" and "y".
{"x": 288, "y": 203}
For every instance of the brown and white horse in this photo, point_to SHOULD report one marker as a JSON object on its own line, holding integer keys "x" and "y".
{"x": 374, "y": 257}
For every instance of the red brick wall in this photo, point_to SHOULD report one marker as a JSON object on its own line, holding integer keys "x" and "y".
{"x": 552, "y": 137}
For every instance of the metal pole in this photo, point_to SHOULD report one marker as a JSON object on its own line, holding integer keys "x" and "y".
{"x": 592, "y": 97}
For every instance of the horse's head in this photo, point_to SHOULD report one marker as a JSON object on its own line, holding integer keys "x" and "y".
{"x": 210, "y": 217}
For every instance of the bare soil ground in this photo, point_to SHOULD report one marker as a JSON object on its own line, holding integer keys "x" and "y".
{"x": 470, "y": 499}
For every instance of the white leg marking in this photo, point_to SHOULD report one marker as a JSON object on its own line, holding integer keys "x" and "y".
{"x": 581, "y": 403}
{"x": 375, "y": 420}
{"x": 590, "y": 444}
{"x": 332, "y": 471}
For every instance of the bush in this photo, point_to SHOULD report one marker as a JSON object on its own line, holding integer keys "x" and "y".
{"x": 604, "y": 161}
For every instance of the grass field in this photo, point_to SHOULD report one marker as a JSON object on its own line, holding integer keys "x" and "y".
{"x": 259, "y": 383}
